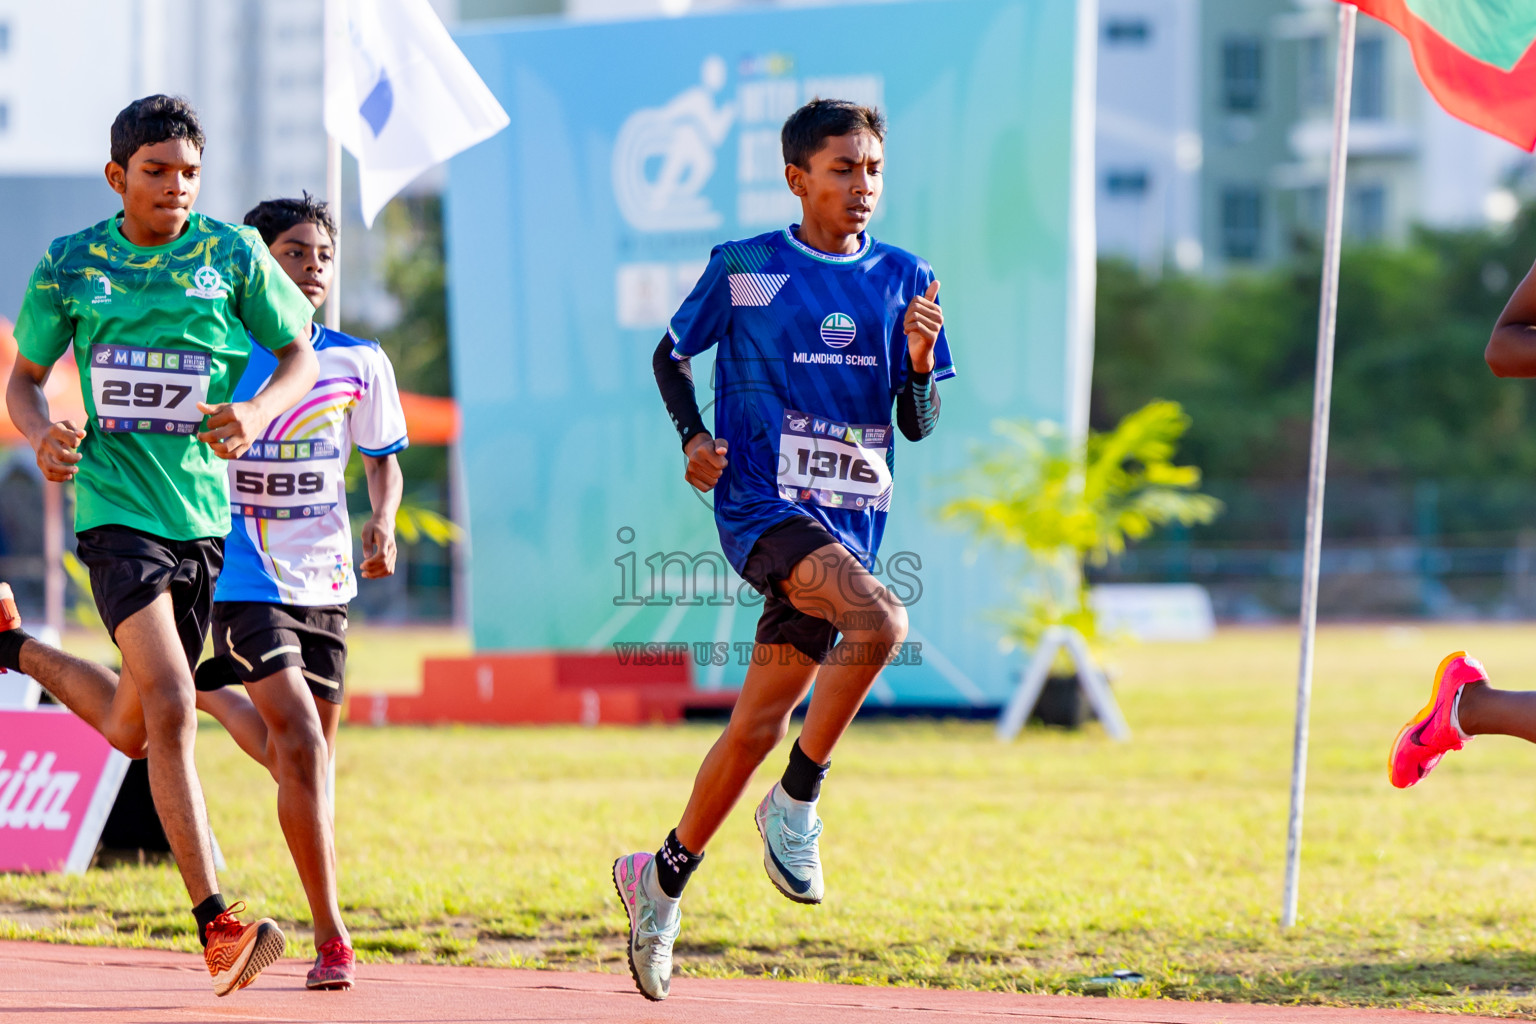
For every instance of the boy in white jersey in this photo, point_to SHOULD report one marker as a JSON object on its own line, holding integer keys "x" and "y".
{"x": 280, "y": 615}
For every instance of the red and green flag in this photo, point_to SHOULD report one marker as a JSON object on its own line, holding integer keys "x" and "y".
{"x": 1475, "y": 56}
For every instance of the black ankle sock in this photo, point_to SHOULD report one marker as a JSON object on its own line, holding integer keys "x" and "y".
{"x": 675, "y": 865}
{"x": 802, "y": 779}
{"x": 10, "y": 648}
{"x": 205, "y": 912}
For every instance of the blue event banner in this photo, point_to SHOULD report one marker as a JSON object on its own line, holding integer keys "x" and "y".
{"x": 572, "y": 236}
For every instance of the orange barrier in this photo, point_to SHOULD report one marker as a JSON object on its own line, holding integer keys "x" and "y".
{"x": 429, "y": 420}
{"x": 541, "y": 687}
{"x": 63, "y": 389}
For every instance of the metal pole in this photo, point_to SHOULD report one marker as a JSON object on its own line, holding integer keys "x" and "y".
{"x": 333, "y": 197}
{"x": 1322, "y": 394}
{"x": 53, "y": 557}
{"x": 1082, "y": 268}
{"x": 459, "y": 552}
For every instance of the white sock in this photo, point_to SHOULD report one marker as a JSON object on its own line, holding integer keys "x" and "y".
{"x": 654, "y": 890}
{"x": 800, "y": 814}
{"x": 1456, "y": 715}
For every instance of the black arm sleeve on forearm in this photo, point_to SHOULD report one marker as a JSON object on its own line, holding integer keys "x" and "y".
{"x": 917, "y": 406}
{"x": 675, "y": 379}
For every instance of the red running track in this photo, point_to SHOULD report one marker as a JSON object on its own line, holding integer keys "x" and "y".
{"x": 86, "y": 985}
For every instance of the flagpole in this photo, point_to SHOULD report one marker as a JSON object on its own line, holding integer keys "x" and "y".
{"x": 333, "y": 321}
{"x": 333, "y": 199}
{"x": 1327, "y": 318}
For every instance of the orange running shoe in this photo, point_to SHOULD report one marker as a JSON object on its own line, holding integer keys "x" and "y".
{"x": 334, "y": 966}
{"x": 1430, "y": 734}
{"x": 237, "y": 952}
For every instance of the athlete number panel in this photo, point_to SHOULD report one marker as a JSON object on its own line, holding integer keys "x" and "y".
{"x": 148, "y": 389}
{"x": 840, "y": 465}
{"x": 285, "y": 480}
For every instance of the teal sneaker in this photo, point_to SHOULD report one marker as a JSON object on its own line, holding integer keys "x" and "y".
{"x": 791, "y": 851}
{"x": 654, "y": 921}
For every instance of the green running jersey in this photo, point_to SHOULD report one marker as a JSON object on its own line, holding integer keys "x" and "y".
{"x": 155, "y": 331}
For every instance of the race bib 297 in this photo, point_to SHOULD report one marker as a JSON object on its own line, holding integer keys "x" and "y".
{"x": 840, "y": 465}
{"x": 151, "y": 390}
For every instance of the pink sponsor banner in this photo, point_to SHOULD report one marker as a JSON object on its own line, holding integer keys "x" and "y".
{"x": 58, "y": 780}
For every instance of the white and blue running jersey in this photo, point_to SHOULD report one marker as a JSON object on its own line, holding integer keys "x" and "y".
{"x": 290, "y": 540}
{"x": 811, "y": 356}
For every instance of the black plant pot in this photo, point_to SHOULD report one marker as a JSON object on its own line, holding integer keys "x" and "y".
{"x": 1062, "y": 703}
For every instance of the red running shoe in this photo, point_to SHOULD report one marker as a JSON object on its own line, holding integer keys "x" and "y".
{"x": 237, "y": 952}
{"x": 1429, "y": 735}
{"x": 335, "y": 966}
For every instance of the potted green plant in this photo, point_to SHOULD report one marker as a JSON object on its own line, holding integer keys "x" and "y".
{"x": 1060, "y": 506}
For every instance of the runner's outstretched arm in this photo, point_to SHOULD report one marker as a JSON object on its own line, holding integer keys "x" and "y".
{"x": 386, "y": 486}
{"x": 706, "y": 455}
{"x": 1511, "y": 351}
{"x": 232, "y": 426}
{"x": 56, "y": 444}
{"x": 674, "y": 379}
{"x": 917, "y": 406}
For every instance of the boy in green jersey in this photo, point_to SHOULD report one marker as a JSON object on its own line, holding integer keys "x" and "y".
{"x": 159, "y": 305}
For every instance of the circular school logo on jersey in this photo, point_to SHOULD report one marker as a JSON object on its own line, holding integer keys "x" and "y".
{"x": 837, "y": 330}
{"x": 207, "y": 283}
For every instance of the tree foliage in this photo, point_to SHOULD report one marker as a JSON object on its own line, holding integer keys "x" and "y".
{"x": 1412, "y": 396}
{"x": 1059, "y": 505}
{"x": 417, "y": 342}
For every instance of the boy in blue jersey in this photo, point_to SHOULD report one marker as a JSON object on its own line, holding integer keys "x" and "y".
{"x": 279, "y": 613}
{"x": 820, "y": 330}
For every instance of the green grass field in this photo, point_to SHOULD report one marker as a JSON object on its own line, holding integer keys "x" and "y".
{"x": 952, "y": 860}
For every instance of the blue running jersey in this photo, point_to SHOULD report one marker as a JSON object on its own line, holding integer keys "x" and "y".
{"x": 812, "y": 355}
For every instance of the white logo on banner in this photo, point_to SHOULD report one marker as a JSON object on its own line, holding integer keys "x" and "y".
{"x": 664, "y": 156}
{"x": 33, "y": 795}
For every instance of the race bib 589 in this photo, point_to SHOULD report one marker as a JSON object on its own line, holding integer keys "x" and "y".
{"x": 841, "y": 465}
{"x": 153, "y": 390}
{"x": 285, "y": 480}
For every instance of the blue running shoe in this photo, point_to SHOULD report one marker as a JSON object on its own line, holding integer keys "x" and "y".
{"x": 791, "y": 852}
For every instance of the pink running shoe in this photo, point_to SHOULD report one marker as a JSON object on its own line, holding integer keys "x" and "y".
{"x": 334, "y": 966}
{"x": 10, "y": 618}
{"x": 1429, "y": 735}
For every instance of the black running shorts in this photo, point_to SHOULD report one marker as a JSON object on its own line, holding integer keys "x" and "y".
{"x": 771, "y": 561}
{"x": 130, "y": 568}
{"x": 253, "y": 640}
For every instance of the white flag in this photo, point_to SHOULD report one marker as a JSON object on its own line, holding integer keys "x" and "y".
{"x": 399, "y": 95}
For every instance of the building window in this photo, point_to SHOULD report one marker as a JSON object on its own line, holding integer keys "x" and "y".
{"x": 1368, "y": 213}
{"x": 5, "y": 117}
{"x": 1370, "y": 99}
{"x": 1242, "y": 223}
{"x": 1312, "y": 209}
{"x": 1242, "y": 74}
{"x": 1127, "y": 183}
{"x": 1127, "y": 31}
{"x": 1314, "y": 78}
{"x": 5, "y": 38}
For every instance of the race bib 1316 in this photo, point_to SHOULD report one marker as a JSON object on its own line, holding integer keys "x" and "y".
{"x": 840, "y": 465}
